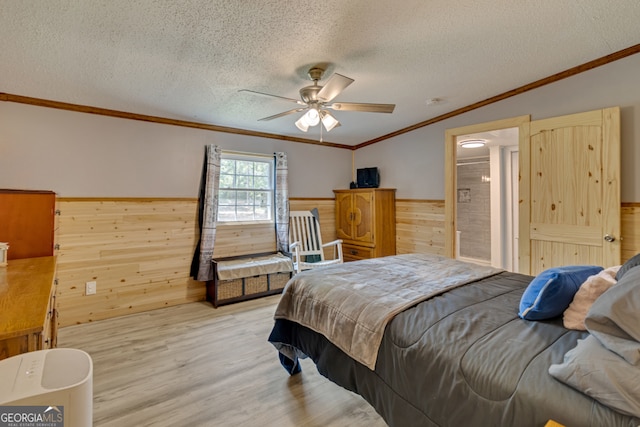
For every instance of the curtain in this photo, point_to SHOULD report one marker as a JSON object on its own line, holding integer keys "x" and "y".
{"x": 201, "y": 266}
{"x": 282, "y": 202}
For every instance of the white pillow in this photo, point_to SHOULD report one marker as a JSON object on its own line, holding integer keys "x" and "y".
{"x": 589, "y": 291}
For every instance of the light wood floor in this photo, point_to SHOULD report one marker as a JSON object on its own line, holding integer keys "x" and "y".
{"x": 193, "y": 365}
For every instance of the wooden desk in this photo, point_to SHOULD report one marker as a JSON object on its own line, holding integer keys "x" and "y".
{"x": 28, "y": 319}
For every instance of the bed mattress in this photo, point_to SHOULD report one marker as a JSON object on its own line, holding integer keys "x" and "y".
{"x": 462, "y": 358}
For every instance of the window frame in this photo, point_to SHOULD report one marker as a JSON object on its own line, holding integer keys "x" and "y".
{"x": 252, "y": 157}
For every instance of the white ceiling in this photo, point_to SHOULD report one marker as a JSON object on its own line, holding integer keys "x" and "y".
{"x": 188, "y": 59}
{"x": 500, "y": 137}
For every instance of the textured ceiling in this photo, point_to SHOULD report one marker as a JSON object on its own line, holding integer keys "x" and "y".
{"x": 188, "y": 59}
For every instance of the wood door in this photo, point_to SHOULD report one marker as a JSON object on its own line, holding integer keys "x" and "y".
{"x": 570, "y": 191}
{"x": 364, "y": 216}
{"x": 344, "y": 227}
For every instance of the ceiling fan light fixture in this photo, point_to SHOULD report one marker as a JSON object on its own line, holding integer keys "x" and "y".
{"x": 312, "y": 117}
{"x": 308, "y": 119}
{"x": 301, "y": 124}
{"x": 328, "y": 120}
{"x": 315, "y": 100}
{"x": 472, "y": 143}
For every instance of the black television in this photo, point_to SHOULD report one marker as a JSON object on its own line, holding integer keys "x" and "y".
{"x": 368, "y": 178}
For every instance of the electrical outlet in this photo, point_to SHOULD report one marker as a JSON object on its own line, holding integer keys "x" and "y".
{"x": 90, "y": 288}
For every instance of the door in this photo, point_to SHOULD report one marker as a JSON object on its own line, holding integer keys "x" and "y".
{"x": 363, "y": 216}
{"x": 355, "y": 216}
{"x": 570, "y": 191}
{"x": 344, "y": 228}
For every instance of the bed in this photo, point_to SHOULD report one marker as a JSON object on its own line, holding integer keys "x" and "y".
{"x": 451, "y": 354}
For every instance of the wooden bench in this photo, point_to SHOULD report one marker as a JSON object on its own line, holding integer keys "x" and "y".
{"x": 248, "y": 276}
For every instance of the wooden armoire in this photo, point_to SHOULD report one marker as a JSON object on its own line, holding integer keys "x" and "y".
{"x": 366, "y": 222}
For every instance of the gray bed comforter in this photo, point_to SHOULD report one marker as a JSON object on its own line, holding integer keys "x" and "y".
{"x": 352, "y": 303}
{"x": 463, "y": 358}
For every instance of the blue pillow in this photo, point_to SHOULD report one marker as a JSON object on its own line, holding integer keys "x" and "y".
{"x": 550, "y": 293}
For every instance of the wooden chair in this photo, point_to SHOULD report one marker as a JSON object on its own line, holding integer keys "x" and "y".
{"x": 306, "y": 242}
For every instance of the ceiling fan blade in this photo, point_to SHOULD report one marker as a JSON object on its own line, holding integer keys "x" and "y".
{"x": 286, "y": 113}
{"x": 357, "y": 106}
{"x": 297, "y": 101}
{"x": 336, "y": 84}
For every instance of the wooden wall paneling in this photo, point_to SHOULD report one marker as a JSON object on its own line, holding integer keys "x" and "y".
{"x": 420, "y": 226}
{"x": 630, "y": 225}
{"x": 244, "y": 239}
{"x": 138, "y": 251}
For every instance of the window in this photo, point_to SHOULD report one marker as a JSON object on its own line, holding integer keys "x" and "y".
{"x": 246, "y": 188}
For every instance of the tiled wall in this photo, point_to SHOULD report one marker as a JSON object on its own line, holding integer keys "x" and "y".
{"x": 474, "y": 209}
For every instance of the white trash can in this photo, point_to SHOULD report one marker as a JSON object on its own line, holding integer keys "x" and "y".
{"x": 57, "y": 382}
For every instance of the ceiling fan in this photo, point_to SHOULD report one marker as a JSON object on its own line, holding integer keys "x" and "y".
{"x": 316, "y": 101}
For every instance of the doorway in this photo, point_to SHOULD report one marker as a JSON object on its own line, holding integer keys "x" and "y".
{"x": 569, "y": 189}
{"x": 487, "y": 188}
{"x": 481, "y": 202}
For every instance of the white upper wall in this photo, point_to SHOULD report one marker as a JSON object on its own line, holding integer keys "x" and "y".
{"x": 86, "y": 155}
{"x": 414, "y": 162}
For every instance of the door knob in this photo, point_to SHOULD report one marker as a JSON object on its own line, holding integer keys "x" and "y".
{"x": 609, "y": 238}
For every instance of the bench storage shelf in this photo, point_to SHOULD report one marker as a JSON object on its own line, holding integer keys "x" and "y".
{"x": 246, "y": 277}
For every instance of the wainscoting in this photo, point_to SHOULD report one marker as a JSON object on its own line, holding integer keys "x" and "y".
{"x": 630, "y": 225}
{"x": 419, "y": 226}
{"x": 139, "y": 251}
